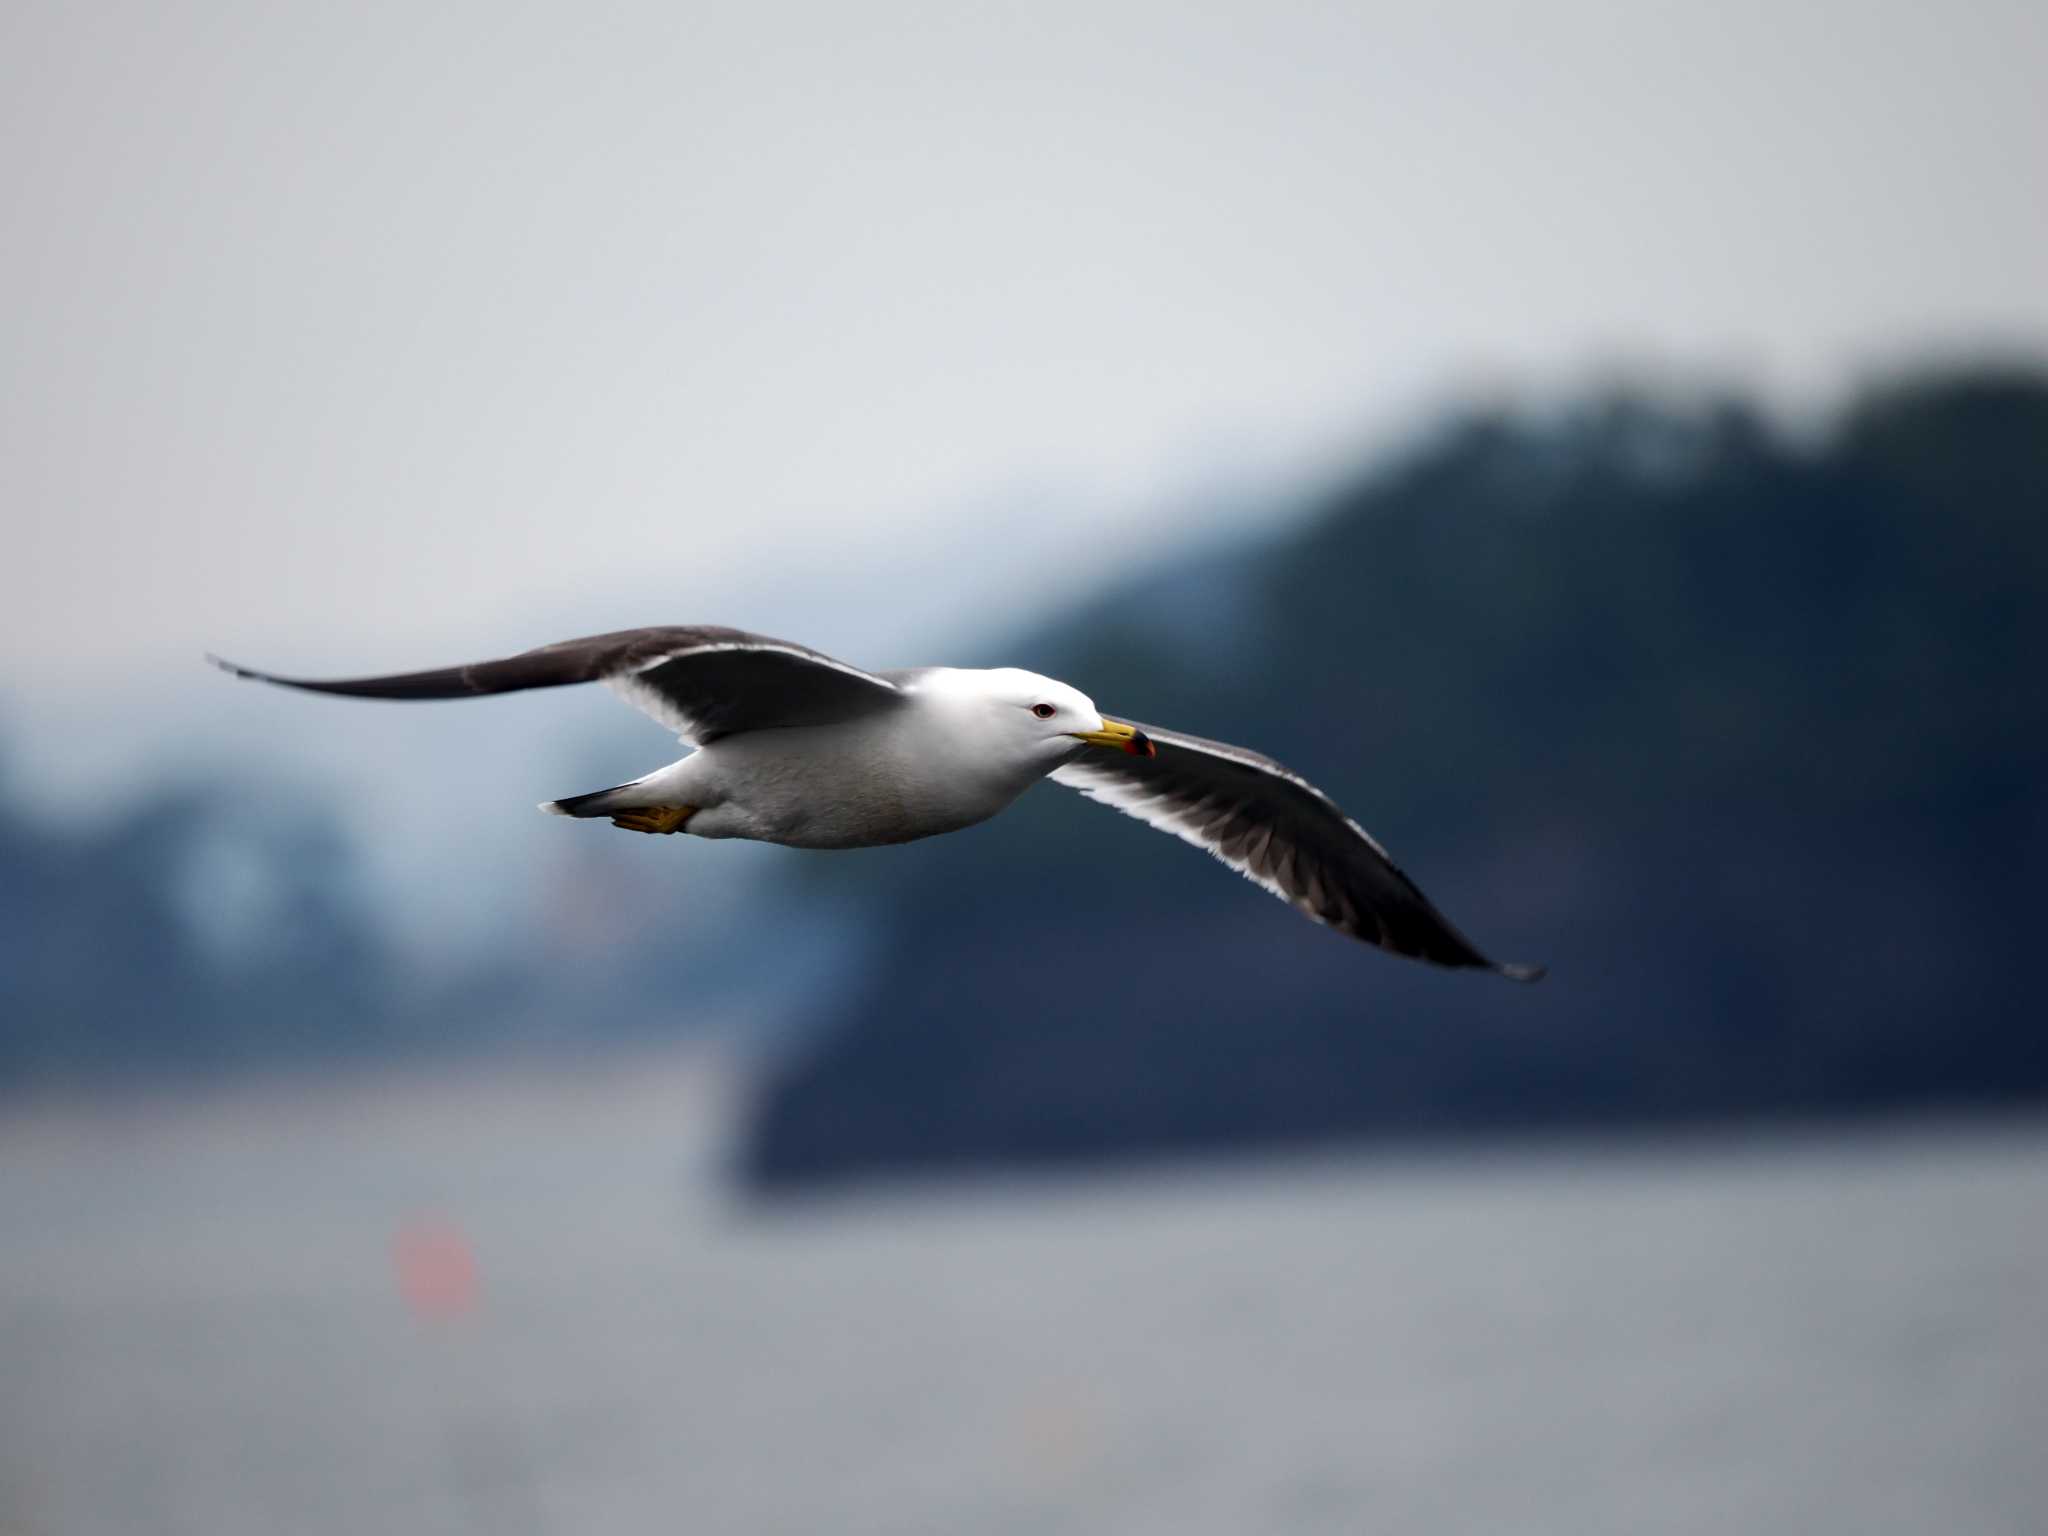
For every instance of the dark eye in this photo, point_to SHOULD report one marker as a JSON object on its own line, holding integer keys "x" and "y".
{"x": 1043, "y": 711}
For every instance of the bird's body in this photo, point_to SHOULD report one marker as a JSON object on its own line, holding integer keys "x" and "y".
{"x": 916, "y": 772}
{"x": 795, "y": 747}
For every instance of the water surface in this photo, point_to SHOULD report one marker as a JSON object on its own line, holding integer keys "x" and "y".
{"x": 203, "y": 1329}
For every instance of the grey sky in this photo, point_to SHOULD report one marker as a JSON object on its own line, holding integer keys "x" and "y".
{"x": 364, "y": 335}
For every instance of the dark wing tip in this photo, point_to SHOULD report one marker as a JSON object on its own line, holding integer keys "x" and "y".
{"x": 1522, "y": 972}
{"x": 367, "y": 687}
{"x": 234, "y": 669}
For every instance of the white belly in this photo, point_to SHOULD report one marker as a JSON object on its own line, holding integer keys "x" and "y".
{"x": 837, "y": 787}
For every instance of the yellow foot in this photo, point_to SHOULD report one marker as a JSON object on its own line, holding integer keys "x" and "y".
{"x": 655, "y": 818}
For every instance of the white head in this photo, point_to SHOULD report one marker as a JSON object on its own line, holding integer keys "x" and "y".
{"x": 1042, "y": 719}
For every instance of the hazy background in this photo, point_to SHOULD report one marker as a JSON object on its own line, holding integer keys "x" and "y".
{"x": 1604, "y": 445}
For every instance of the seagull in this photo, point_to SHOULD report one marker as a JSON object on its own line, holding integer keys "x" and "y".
{"x": 795, "y": 747}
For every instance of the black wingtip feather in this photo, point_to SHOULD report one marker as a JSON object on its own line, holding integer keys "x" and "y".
{"x": 236, "y": 669}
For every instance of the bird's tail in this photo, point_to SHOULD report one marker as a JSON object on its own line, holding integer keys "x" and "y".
{"x": 599, "y": 802}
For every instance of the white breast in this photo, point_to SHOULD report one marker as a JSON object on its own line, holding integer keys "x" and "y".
{"x": 914, "y": 772}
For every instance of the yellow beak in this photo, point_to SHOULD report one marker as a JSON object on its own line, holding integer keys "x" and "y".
{"x": 1125, "y": 738}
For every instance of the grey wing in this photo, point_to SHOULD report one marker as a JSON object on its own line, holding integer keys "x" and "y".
{"x": 1275, "y": 828}
{"x": 702, "y": 681}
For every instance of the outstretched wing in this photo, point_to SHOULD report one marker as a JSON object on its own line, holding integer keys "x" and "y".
{"x": 702, "y": 681}
{"x": 1276, "y": 828}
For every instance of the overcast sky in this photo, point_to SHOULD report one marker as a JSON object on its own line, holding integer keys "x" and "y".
{"x": 356, "y": 335}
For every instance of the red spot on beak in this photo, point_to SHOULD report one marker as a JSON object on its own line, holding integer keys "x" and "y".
{"x": 1140, "y": 745}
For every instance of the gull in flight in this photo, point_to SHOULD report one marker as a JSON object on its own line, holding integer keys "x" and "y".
{"x": 795, "y": 747}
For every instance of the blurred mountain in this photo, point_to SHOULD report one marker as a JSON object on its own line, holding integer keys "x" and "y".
{"x": 1739, "y": 731}
{"x": 228, "y": 926}
{"x": 1745, "y": 735}
{"x": 109, "y": 965}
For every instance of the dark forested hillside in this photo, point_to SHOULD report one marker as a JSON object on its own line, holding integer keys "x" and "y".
{"x": 1743, "y": 737}
{"x": 1746, "y": 739}
{"x": 225, "y": 927}
{"x": 112, "y": 962}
